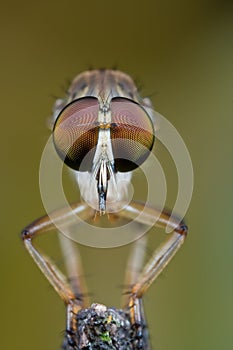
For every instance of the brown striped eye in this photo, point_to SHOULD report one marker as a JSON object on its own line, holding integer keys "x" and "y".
{"x": 75, "y": 133}
{"x": 132, "y": 134}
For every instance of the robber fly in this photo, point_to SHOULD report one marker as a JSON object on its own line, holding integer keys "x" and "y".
{"x": 103, "y": 130}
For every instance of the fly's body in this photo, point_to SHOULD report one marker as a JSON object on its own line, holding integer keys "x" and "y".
{"x": 103, "y": 130}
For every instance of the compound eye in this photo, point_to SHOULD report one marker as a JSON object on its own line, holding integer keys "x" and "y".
{"x": 132, "y": 134}
{"x": 75, "y": 133}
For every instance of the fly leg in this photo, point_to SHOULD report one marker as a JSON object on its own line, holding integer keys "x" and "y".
{"x": 156, "y": 264}
{"x": 71, "y": 292}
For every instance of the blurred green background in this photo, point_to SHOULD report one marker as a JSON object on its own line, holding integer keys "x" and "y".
{"x": 182, "y": 54}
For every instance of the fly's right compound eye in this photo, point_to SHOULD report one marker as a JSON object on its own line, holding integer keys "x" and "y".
{"x": 75, "y": 133}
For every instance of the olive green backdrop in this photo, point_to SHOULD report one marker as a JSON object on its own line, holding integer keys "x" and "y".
{"x": 182, "y": 54}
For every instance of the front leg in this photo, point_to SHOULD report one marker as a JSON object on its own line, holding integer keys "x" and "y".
{"x": 165, "y": 252}
{"x": 140, "y": 282}
{"x": 48, "y": 268}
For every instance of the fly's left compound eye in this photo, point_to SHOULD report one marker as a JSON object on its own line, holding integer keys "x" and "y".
{"x": 75, "y": 133}
{"x": 132, "y": 134}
